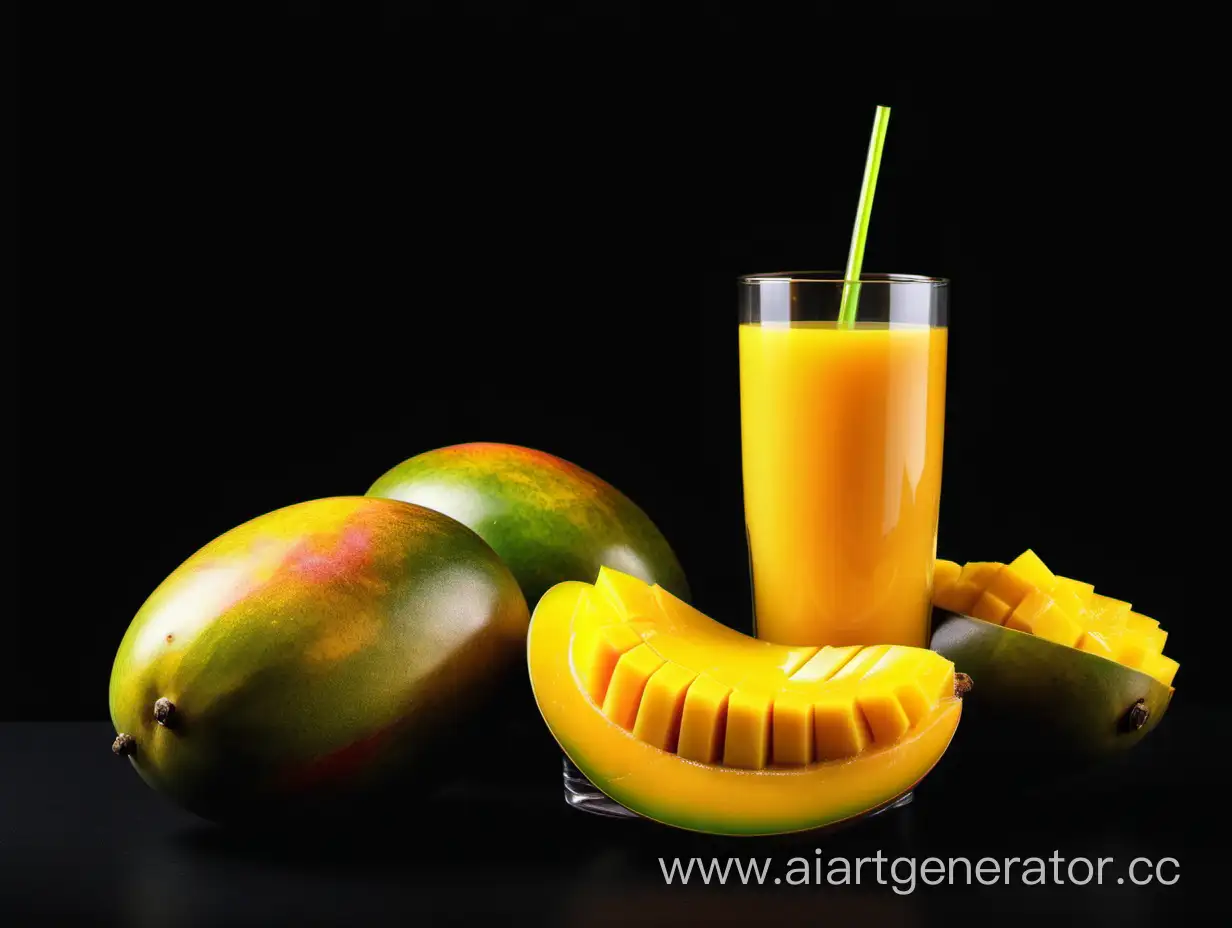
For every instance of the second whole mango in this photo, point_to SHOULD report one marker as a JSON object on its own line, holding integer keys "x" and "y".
{"x": 549, "y": 520}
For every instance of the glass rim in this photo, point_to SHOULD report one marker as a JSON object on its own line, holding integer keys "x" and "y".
{"x": 837, "y": 277}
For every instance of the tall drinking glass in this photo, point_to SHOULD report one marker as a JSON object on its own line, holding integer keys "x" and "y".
{"x": 842, "y": 429}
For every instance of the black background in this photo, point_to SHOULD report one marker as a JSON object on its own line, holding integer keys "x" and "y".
{"x": 264, "y": 256}
{"x": 265, "y": 252}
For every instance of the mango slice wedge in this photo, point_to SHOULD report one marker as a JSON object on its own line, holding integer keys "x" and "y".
{"x": 1027, "y": 596}
{"x": 692, "y": 724}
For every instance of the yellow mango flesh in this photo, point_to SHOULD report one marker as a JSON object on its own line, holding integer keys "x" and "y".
{"x": 959, "y": 597}
{"x": 1161, "y": 667}
{"x": 1084, "y": 591}
{"x": 804, "y": 737}
{"x": 991, "y": 608}
{"x": 1030, "y": 566}
{"x": 1026, "y": 596}
{"x": 662, "y": 707}
{"x": 1042, "y": 616}
{"x": 703, "y": 723}
{"x": 639, "y": 653}
{"x": 945, "y": 575}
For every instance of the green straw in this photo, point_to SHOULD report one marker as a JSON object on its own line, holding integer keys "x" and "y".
{"x": 855, "y": 257}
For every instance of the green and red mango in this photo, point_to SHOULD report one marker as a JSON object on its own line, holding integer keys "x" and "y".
{"x": 315, "y": 652}
{"x": 549, "y": 520}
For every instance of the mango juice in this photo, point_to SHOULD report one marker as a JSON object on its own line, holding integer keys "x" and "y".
{"x": 842, "y": 431}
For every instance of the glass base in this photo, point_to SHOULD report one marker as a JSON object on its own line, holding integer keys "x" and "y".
{"x": 580, "y": 793}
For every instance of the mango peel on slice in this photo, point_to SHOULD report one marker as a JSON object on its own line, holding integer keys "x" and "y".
{"x": 690, "y": 723}
{"x": 1042, "y": 710}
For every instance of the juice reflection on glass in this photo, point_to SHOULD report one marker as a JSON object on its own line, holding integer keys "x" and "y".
{"x": 842, "y": 433}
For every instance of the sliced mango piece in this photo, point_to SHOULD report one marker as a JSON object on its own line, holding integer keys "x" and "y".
{"x": 1107, "y": 607}
{"x": 1039, "y": 615}
{"x": 703, "y": 722}
{"x": 659, "y": 715}
{"x": 980, "y": 574}
{"x": 1069, "y": 602}
{"x": 839, "y": 726}
{"x": 945, "y": 575}
{"x": 1095, "y": 642}
{"x": 884, "y": 712}
{"x": 1030, "y": 566}
{"x": 1084, "y": 591}
{"x": 630, "y": 597}
{"x": 747, "y": 743}
{"x": 624, "y": 693}
{"x": 1142, "y": 637}
{"x": 1161, "y": 667}
{"x": 1010, "y": 587}
{"x": 1139, "y": 622}
{"x": 958, "y": 598}
{"x": 991, "y": 608}
{"x": 745, "y": 760}
{"x": 824, "y": 664}
{"x": 596, "y": 651}
{"x": 1153, "y": 636}
{"x": 1026, "y": 596}
{"x": 792, "y": 723}
{"x": 919, "y": 679}
{"x": 678, "y": 681}
{"x": 861, "y": 664}
{"x": 1110, "y": 621}
{"x": 1134, "y": 648}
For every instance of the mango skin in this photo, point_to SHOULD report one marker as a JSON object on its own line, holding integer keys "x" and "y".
{"x": 1039, "y": 708}
{"x": 316, "y": 653}
{"x": 549, "y": 520}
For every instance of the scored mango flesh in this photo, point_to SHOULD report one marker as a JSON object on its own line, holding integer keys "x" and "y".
{"x": 1025, "y": 595}
{"x": 687, "y": 685}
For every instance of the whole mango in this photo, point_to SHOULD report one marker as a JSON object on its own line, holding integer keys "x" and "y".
{"x": 316, "y": 653}
{"x": 549, "y": 520}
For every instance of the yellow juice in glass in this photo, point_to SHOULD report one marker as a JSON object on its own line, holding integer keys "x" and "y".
{"x": 842, "y": 431}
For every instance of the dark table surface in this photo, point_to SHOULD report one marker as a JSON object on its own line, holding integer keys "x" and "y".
{"x": 83, "y": 839}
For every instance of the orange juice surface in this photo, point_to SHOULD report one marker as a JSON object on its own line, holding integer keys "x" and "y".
{"x": 842, "y": 433}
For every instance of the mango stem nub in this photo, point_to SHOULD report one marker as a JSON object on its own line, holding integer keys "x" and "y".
{"x": 1137, "y": 715}
{"x": 962, "y": 685}
{"x": 164, "y": 711}
{"x": 124, "y": 745}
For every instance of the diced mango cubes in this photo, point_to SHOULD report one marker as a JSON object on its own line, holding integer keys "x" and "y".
{"x": 658, "y": 717}
{"x": 1030, "y": 566}
{"x": 1161, "y": 667}
{"x": 991, "y": 608}
{"x": 703, "y": 720}
{"x": 945, "y": 575}
{"x": 1096, "y": 643}
{"x": 1084, "y": 591}
{"x": 1026, "y": 596}
{"x": 654, "y": 668}
{"x": 959, "y": 597}
{"x": 624, "y": 692}
{"x": 839, "y": 726}
{"x": 979, "y": 573}
{"x": 1009, "y": 586}
{"x": 1041, "y": 616}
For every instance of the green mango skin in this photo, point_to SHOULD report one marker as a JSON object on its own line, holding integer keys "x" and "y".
{"x": 1038, "y": 704}
{"x": 315, "y": 653}
{"x": 549, "y": 520}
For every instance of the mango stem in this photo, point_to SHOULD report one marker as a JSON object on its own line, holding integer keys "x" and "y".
{"x": 164, "y": 711}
